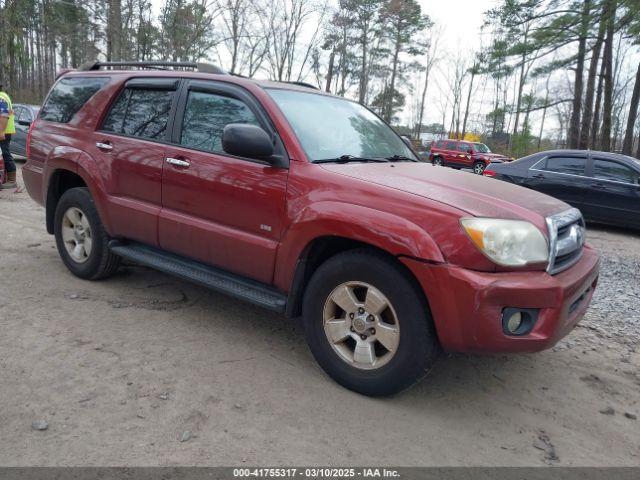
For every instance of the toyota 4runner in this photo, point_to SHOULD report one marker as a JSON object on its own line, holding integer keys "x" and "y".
{"x": 309, "y": 205}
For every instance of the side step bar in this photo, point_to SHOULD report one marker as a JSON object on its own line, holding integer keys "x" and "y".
{"x": 211, "y": 277}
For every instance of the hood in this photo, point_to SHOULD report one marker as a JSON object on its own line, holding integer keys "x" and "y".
{"x": 477, "y": 195}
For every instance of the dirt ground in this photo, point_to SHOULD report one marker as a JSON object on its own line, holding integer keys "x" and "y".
{"x": 144, "y": 369}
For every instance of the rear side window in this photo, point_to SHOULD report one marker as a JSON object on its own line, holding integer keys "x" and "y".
{"x": 451, "y": 146}
{"x": 614, "y": 171}
{"x": 205, "y": 117}
{"x": 140, "y": 112}
{"x": 464, "y": 147}
{"x": 567, "y": 165}
{"x": 68, "y": 96}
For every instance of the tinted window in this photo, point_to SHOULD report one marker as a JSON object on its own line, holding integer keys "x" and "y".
{"x": 140, "y": 113}
{"x": 205, "y": 117}
{"x": 463, "y": 147}
{"x": 18, "y": 113}
{"x": 68, "y": 96}
{"x": 572, "y": 166}
{"x": 450, "y": 146}
{"x": 617, "y": 172}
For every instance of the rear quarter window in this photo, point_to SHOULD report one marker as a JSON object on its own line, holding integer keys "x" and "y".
{"x": 68, "y": 96}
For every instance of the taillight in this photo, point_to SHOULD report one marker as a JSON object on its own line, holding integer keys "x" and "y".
{"x": 488, "y": 173}
{"x": 33, "y": 124}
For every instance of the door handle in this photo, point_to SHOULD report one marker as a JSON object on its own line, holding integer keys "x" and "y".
{"x": 598, "y": 186}
{"x": 107, "y": 147}
{"x": 178, "y": 162}
{"x": 539, "y": 176}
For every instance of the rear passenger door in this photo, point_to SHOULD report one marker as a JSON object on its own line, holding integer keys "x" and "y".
{"x": 464, "y": 155}
{"x": 131, "y": 147}
{"x": 221, "y": 209}
{"x": 451, "y": 153}
{"x": 561, "y": 176}
{"x": 615, "y": 193}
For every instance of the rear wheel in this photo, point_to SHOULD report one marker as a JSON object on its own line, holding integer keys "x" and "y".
{"x": 437, "y": 161}
{"x": 478, "y": 168}
{"x": 80, "y": 237}
{"x": 367, "y": 323}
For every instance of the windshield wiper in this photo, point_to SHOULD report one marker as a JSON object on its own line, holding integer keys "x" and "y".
{"x": 351, "y": 158}
{"x": 400, "y": 158}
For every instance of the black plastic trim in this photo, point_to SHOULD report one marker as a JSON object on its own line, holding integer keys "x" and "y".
{"x": 211, "y": 277}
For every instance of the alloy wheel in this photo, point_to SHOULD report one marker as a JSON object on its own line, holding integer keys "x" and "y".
{"x": 76, "y": 234}
{"x": 361, "y": 325}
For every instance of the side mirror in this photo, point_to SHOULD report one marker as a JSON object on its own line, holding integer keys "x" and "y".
{"x": 250, "y": 141}
{"x": 407, "y": 140}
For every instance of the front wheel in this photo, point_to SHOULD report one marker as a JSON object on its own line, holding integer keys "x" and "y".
{"x": 368, "y": 324}
{"x": 478, "y": 168}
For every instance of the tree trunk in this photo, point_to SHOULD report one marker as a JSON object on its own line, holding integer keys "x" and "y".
{"x": 596, "y": 114}
{"x": 466, "y": 110}
{"x": 627, "y": 147}
{"x": 521, "y": 81}
{"x": 587, "y": 119}
{"x": 362, "y": 91}
{"x": 574, "y": 124}
{"x": 608, "y": 77}
{"x": 330, "y": 71}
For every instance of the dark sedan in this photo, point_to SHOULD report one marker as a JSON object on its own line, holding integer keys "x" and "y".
{"x": 24, "y": 117}
{"x": 604, "y": 186}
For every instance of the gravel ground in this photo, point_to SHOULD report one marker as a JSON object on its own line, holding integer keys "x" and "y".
{"x": 144, "y": 369}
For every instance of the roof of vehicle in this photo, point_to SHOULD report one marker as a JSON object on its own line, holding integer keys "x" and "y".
{"x": 28, "y": 105}
{"x": 177, "y": 69}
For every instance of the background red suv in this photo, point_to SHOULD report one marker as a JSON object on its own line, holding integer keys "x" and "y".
{"x": 463, "y": 154}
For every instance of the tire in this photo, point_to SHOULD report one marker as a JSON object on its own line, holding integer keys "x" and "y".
{"x": 478, "y": 168}
{"x": 417, "y": 344}
{"x": 437, "y": 161}
{"x": 76, "y": 207}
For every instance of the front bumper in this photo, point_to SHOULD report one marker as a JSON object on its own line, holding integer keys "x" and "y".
{"x": 467, "y": 305}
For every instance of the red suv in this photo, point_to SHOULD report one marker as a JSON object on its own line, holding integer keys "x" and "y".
{"x": 462, "y": 154}
{"x": 309, "y": 205}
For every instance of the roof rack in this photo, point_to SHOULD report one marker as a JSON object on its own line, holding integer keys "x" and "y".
{"x": 303, "y": 84}
{"x": 199, "y": 66}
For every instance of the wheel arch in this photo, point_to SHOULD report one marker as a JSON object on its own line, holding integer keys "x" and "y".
{"x": 302, "y": 252}
{"x": 71, "y": 169}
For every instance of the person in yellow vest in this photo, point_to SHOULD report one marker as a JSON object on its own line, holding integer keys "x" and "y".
{"x": 7, "y": 128}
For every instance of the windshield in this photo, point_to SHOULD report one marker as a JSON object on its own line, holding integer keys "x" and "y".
{"x": 481, "y": 148}
{"x": 331, "y": 127}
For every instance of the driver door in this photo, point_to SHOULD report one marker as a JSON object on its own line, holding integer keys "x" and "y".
{"x": 217, "y": 208}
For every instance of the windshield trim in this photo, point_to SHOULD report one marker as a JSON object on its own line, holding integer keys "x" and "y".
{"x": 325, "y": 94}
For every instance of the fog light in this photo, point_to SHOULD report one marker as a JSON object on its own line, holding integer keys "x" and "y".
{"x": 519, "y": 321}
{"x": 514, "y": 322}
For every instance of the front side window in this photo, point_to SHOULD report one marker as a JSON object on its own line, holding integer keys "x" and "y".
{"x": 614, "y": 171}
{"x": 140, "y": 112}
{"x": 330, "y": 127}
{"x": 205, "y": 117}
{"x": 68, "y": 96}
{"x": 567, "y": 165}
{"x": 481, "y": 148}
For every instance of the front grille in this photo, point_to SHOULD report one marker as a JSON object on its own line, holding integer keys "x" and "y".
{"x": 566, "y": 239}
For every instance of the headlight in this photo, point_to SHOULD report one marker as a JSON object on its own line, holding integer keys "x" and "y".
{"x": 510, "y": 243}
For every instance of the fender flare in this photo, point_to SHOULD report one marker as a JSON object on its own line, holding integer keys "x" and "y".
{"x": 391, "y": 233}
{"x": 76, "y": 161}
